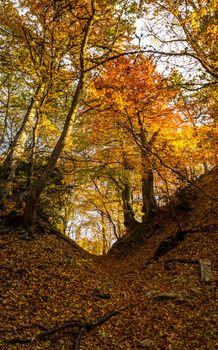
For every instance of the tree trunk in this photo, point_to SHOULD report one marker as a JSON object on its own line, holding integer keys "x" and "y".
{"x": 8, "y": 168}
{"x": 126, "y": 190}
{"x": 104, "y": 237}
{"x": 149, "y": 206}
{"x": 107, "y": 213}
{"x": 29, "y": 215}
{"x": 128, "y": 212}
{"x": 31, "y": 201}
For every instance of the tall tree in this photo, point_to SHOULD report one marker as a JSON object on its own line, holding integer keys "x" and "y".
{"x": 61, "y": 38}
{"x": 136, "y": 102}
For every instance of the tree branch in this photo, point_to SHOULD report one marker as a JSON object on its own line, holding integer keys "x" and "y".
{"x": 156, "y": 155}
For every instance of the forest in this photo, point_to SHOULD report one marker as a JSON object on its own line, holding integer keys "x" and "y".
{"x": 108, "y": 142}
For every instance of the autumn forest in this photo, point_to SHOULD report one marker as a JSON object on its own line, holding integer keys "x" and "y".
{"x": 107, "y": 108}
{"x": 108, "y": 174}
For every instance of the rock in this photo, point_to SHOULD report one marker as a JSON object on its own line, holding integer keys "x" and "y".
{"x": 206, "y": 270}
{"x": 146, "y": 344}
{"x": 124, "y": 294}
{"x": 154, "y": 295}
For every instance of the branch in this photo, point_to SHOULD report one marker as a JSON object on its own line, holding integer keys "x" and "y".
{"x": 184, "y": 54}
{"x": 83, "y": 328}
{"x": 60, "y": 327}
{"x": 156, "y": 155}
{"x": 153, "y": 52}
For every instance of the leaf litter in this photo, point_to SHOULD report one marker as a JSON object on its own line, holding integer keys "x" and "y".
{"x": 163, "y": 304}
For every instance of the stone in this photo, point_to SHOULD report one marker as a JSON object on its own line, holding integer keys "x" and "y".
{"x": 154, "y": 295}
{"x": 206, "y": 270}
{"x": 146, "y": 344}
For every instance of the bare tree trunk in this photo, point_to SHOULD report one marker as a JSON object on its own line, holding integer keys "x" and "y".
{"x": 107, "y": 213}
{"x": 33, "y": 150}
{"x": 149, "y": 206}
{"x": 128, "y": 212}
{"x": 104, "y": 236}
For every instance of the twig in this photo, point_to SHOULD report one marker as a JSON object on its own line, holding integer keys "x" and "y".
{"x": 60, "y": 327}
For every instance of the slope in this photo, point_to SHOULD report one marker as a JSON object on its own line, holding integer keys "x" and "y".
{"x": 127, "y": 301}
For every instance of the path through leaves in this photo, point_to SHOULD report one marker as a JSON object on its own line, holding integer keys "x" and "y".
{"x": 163, "y": 304}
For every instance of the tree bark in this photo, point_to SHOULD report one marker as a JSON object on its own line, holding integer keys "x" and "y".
{"x": 8, "y": 168}
{"x": 149, "y": 206}
{"x": 126, "y": 191}
{"x": 103, "y": 232}
{"x": 30, "y": 206}
{"x": 128, "y": 212}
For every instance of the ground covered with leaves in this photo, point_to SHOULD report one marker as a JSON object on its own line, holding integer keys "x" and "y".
{"x": 56, "y": 296}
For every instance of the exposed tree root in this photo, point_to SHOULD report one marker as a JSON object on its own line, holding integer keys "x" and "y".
{"x": 167, "y": 263}
{"x": 172, "y": 241}
{"x": 78, "y": 330}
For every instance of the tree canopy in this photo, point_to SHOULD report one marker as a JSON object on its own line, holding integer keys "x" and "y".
{"x": 100, "y": 125}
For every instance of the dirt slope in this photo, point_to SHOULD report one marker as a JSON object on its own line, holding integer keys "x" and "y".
{"x": 162, "y": 304}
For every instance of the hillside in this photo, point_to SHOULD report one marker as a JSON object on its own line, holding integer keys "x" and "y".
{"x": 135, "y": 299}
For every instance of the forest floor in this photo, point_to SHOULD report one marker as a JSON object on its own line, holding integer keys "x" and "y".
{"x": 107, "y": 303}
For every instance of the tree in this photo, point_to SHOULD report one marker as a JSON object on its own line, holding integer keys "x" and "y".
{"x": 88, "y": 111}
{"x": 60, "y": 38}
{"x": 20, "y": 43}
{"x": 135, "y": 109}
